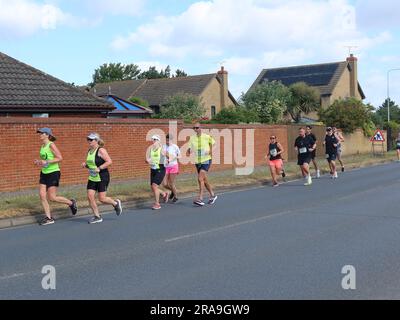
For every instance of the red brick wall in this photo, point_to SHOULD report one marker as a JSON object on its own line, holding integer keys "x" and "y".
{"x": 125, "y": 141}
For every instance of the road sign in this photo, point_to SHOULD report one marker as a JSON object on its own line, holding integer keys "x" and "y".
{"x": 378, "y": 137}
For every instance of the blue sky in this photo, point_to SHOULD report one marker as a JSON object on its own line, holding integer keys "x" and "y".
{"x": 70, "y": 38}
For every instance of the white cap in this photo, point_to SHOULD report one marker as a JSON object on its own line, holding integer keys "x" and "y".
{"x": 156, "y": 137}
{"x": 93, "y": 136}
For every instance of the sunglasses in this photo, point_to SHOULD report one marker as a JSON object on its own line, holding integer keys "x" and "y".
{"x": 195, "y": 128}
{"x": 90, "y": 140}
{"x": 272, "y": 138}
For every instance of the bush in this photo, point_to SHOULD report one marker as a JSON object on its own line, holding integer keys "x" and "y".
{"x": 235, "y": 115}
{"x": 349, "y": 114}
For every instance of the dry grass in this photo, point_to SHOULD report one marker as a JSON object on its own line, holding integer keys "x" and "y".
{"x": 27, "y": 202}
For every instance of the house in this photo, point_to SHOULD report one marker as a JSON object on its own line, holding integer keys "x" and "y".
{"x": 26, "y": 91}
{"x": 212, "y": 89}
{"x": 333, "y": 80}
{"x": 126, "y": 109}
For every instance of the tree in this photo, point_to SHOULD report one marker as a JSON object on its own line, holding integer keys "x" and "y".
{"x": 349, "y": 114}
{"x": 115, "y": 72}
{"x": 139, "y": 101}
{"x": 304, "y": 100}
{"x": 182, "y": 106}
{"x": 153, "y": 73}
{"x": 180, "y": 73}
{"x": 269, "y": 100}
{"x": 394, "y": 109}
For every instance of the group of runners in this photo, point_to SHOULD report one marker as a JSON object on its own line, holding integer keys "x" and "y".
{"x": 164, "y": 167}
{"x": 162, "y": 159}
{"x": 306, "y": 147}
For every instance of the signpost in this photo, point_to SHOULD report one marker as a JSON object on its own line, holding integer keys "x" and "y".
{"x": 378, "y": 143}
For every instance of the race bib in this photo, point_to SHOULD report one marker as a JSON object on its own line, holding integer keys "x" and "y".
{"x": 201, "y": 152}
{"x": 303, "y": 150}
{"x": 92, "y": 173}
{"x": 273, "y": 152}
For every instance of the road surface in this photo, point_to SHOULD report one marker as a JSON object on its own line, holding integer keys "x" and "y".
{"x": 289, "y": 242}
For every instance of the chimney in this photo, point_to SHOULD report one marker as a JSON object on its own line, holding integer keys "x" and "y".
{"x": 352, "y": 61}
{"x": 223, "y": 75}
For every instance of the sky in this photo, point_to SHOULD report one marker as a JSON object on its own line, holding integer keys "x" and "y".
{"x": 69, "y": 39}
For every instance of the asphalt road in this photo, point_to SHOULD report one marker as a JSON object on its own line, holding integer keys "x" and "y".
{"x": 289, "y": 242}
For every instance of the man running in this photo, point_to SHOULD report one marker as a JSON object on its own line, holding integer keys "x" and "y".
{"x": 304, "y": 146}
{"x": 331, "y": 143}
{"x": 201, "y": 145}
{"x": 314, "y": 153}
{"x": 398, "y": 147}
{"x": 340, "y": 138}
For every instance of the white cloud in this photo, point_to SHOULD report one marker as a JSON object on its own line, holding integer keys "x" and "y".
{"x": 24, "y": 17}
{"x": 254, "y": 29}
{"x": 378, "y": 14}
{"x": 116, "y": 7}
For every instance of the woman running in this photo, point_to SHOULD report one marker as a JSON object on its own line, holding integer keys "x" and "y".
{"x": 275, "y": 151}
{"x": 50, "y": 175}
{"x": 98, "y": 161}
{"x": 172, "y": 154}
{"x": 155, "y": 157}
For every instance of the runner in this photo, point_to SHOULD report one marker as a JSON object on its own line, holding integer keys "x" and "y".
{"x": 331, "y": 143}
{"x": 340, "y": 138}
{"x": 304, "y": 146}
{"x": 398, "y": 147}
{"x": 314, "y": 153}
{"x": 155, "y": 157}
{"x": 172, "y": 154}
{"x": 50, "y": 175}
{"x": 275, "y": 151}
{"x": 201, "y": 145}
{"x": 98, "y": 161}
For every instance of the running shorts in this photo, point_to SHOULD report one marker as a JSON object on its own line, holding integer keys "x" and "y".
{"x": 50, "y": 179}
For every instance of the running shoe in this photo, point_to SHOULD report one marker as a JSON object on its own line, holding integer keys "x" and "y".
{"x": 309, "y": 181}
{"x": 342, "y": 169}
{"x": 156, "y": 207}
{"x": 275, "y": 185}
{"x": 318, "y": 174}
{"x": 46, "y": 221}
{"x": 95, "y": 219}
{"x": 335, "y": 175}
{"x": 166, "y": 197}
{"x": 283, "y": 174}
{"x": 171, "y": 196}
{"x": 175, "y": 199}
{"x": 73, "y": 207}
{"x": 199, "y": 203}
{"x": 212, "y": 199}
{"x": 118, "y": 207}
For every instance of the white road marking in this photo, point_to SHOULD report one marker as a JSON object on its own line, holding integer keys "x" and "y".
{"x": 230, "y": 226}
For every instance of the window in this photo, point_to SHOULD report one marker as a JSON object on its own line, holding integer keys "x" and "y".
{"x": 40, "y": 115}
{"x": 213, "y": 111}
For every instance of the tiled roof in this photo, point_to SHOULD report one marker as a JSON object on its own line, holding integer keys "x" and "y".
{"x": 156, "y": 91}
{"x": 23, "y": 87}
{"x": 323, "y": 77}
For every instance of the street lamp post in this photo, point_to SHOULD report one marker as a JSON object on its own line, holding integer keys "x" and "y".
{"x": 389, "y": 133}
{"x": 388, "y": 96}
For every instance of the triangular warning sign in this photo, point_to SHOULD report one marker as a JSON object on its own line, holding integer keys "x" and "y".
{"x": 378, "y": 136}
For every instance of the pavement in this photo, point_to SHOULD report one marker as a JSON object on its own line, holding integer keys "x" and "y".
{"x": 290, "y": 242}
